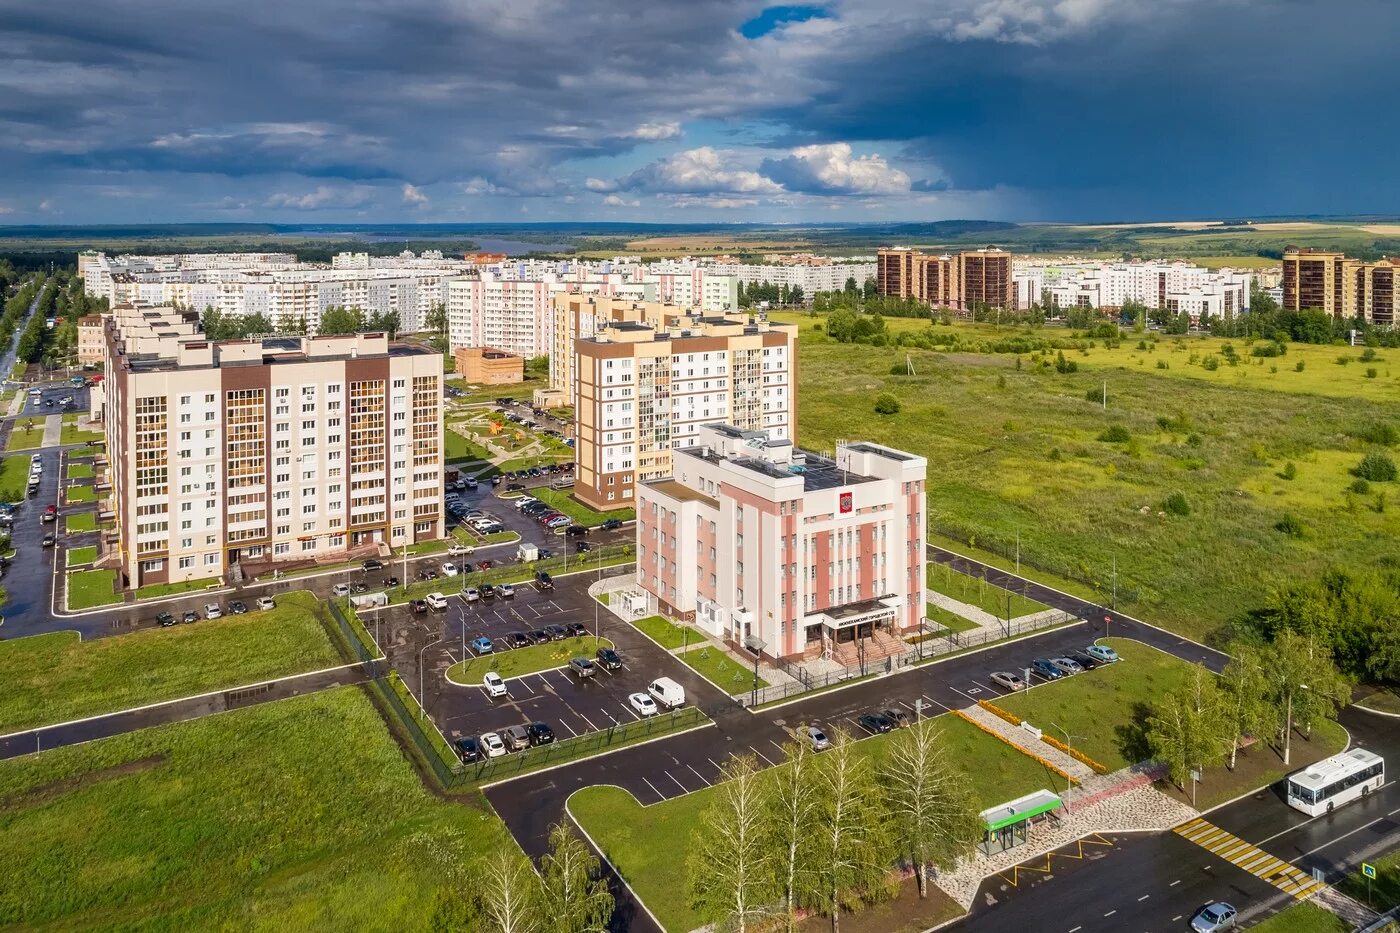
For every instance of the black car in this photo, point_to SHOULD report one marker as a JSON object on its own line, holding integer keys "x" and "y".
{"x": 190, "y": 616}
{"x": 576, "y": 628}
{"x": 488, "y": 591}
{"x": 539, "y": 636}
{"x": 517, "y": 639}
{"x": 1086, "y": 661}
{"x": 165, "y": 619}
{"x": 557, "y": 632}
{"x": 372, "y": 565}
{"x": 609, "y": 658}
{"x": 360, "y": 587}
{"x": 237, "y": 607}
{"x": 468, "y": 749}
{"x": 576, "y": 531}
{"x": 515, "y": 487}
{"x": 896, "y": 716}
{"x": 583, "y": 547}
{"x": 389, "y": 582}
{"x": 876, "y": 723}
{"x": 420, "y": 606}
{"x": 539, "y": 733}
{"x": 543, "y": 580}
{"x": 612, "y": 523}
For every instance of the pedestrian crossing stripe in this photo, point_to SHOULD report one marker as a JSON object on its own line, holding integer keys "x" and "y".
{"x": 1250, "y": 858}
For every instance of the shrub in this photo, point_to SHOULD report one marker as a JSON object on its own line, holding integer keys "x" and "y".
{"x": 1368, "y": 354}
{"x": 1176, "y": 504}
{"x": 1343, "y": 360}
{"x": 1360, "y": 486}
{"x": 1094, "y": 395}
{"x": 1001, "y": 382}
{"x": 1380, "y": 433}
{"x": 1179, "y": 423}
{"x": 1371, "y": 372}
{"x": 1290, "y": 471}
{"x": 1291, "y": 525}
{"x": 1193, "y": 440}
{"x": 1063, "y": 365}
{"x": 1162, "y": 364}
{"x": 1117, "y": 434}
{"x": 1210, "y": 364}
{"x": 1298, "y": 366}
{"x": 1055, "y": 455}
{"x": 886, "y": 404}
{"x": 1376, "y": 467}
{"x": 1270, "y": 348}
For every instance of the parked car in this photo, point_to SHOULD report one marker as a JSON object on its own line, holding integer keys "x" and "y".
{"x": 389, "y": 582}
{"x": 488, "y": 591}
{"x": 372, "y": 565}
{"x": 485, "y": 565}
{"x": 515, "y": 487}
{"x": 436, "y": 601}
{"x": 543, "y": 580}
{"x": 468, "y": 749}
{"x": 1067, "y": 665}
{"x": 471, "y": 594}
{"x": 518, "y": 639}
{"x": 1008, "y": 680}
{"x": 165, "y": 619}
{"x": 189, "y": 616}
{"x": 449, "y": 569}
{"x": 505, "y": 591}
{"x": 1086, "y": 661}
{"x": 525, "y": 502}
{"x": 897, "y": 716}
{"x": 1102, "y": 653}
{"x": 237, "y": 607}
{"x": 582, "y": 667}
{"x": 540, "y": 733}
{"x": 558, "y": 521}
{"x": 875, "y": 723}
{"x": 340, "y": 590}
{"x": 667, "y": 692}
{"x": 458, "y": 550}
{"x": 539, "y": 636}
{"x": 47, "y": 540}
{"x": 1213, "y": 917}
{"x": 612, "y": 523}
{"x": 577, "y": 629}
{"x": 516, "y": 738}
{"x": 576, "y": 531}
{"x": 419, "y": 606}
{"x": 212, "y": 611}
{"x": 643, "y": 704}
{"x": 483, "y": 645}
{"x": 814, "y": 737}
{"x": 583, "y": 547}
{"x": 492, "y": 744}
{"x": 495, "y": 686}
{"x": 48, "y": 516}
{"x": 267, "y": 602}
{"x": 1047, "y": 670}
{"x": 609, "y": 658}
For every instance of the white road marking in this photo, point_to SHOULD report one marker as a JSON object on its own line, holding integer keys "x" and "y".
{"x": 653, "y": 788}
{"x": 697, "y": 774}
{"x": 1110, "y": 913}
{"x": 1177, "y": 917}
{"x": 1143, "y": 898}
{"x": 712, "y": 761}
{"x": 628, "y": 707}
{"x": 585, "y": 719}
{"x": 1174, "y": 883}
{"x": 1076, "y": 929}
{"x": 761, "y": 755}
{"x": 678, "y": 783}
{"x": 776, "y": 745}
{"x": 565, "y": 724}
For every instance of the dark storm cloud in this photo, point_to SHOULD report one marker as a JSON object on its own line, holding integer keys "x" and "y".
{"x": 1022, "y": 108}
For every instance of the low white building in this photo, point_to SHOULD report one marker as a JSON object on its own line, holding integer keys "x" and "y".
{"x": 1174, "y": 286}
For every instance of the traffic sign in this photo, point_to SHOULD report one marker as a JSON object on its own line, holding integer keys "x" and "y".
{"x": 1368, "y": 870}
{"x": 1108, "y": 618}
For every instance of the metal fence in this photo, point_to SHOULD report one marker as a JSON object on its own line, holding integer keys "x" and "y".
{"x": 926, "y": 650}
{"x": 353, "y": 634}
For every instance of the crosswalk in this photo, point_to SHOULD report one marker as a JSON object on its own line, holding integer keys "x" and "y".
{"x": 1251, "y": 858}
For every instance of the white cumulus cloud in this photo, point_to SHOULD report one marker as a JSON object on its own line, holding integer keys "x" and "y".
{"x": 832, "y": 168}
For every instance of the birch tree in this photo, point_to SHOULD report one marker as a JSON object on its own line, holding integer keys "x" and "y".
{"x": 731, "y": 860}
{"x": 509, "y": 894}
{"x": 852, "y": 849}
{"x": 1245, "y": 706}
{"x": 792, "y": 810}
{"x": 933, "y": 818}
{"x": 1304, "y": 685}
{"x": 576, "y": 898}
{"x": 1187, "y": 730}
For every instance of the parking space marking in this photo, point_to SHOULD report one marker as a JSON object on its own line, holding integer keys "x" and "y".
{"x": 683, "y": 788}
{"x": 761, "y": 755}
{"x": 697, "y": 774}
{"x": 712, "y": 761}
{"x": 573, "y": 734}
{"x": 628, "y": 707}
{"x": 776, "y": 745}
{"x": 653, "y": 788}
{"x": 586, "y": 719}
{"x": 936, "y": 703}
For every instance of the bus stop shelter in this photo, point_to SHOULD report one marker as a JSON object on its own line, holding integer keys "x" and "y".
{"x": 1009, "y": 824}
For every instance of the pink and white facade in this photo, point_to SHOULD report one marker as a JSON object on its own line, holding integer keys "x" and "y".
{"x": 751, "y": 536}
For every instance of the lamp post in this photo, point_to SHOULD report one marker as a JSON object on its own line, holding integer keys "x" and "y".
{"x": 1069, "y": 744}
{"x": 756, "y": 645}
{"x": 422, "y": 699}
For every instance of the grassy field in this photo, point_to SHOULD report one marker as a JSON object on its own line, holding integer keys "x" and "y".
{"x": 56, "y": 677}
{"x": 642, "y": 841}
{"x": 72, "y": 433}
{"x": 457, "y": 448}
{"x": 79, "y": 522}
{"x": 157, "y": 590}
{"x": 721, "y": 670}
{"x": 977, "y": 592}
{"x": 941, "y": 618}
{"x": 89, "y": 588}
{"x": 300, "y": 814}
{"x": 1016, "y": 451}
{"x": 666, "y": 633}
{"x": 520, "y": 661}
{"x": 1384, "y": 891}
{"x": 14, "y": 478}
{"x": 26, "y": 434}
{"x": 80, "y": 471}
{"x": 81, "y": 555}
{"x": 1303, "y": 918}
{"x": 561, "y": 501}
{"x": 80, "y": 494}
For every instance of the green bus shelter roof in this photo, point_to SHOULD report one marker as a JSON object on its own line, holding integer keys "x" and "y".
{"x": 1020, "y": 809}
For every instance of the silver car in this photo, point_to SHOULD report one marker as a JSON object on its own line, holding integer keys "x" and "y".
{"x": 1008, "y": 680}
{"x": 1068, "y": 665}
{"x": 1213, "y": 917}
{"x": 815, "y": 737}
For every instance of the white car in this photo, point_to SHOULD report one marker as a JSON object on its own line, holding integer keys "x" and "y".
{"x": 340, "y": 590}
{"x": 212, "y": 611}
{"x": 471, "y": 594}
{"x": 495, "y": 686}
{"x": 493, "y": 746}
{"x": 643, "y": 704}
{"x": 458, "y": 550}
{"x": 436, "y": 601}
{"x": 449, "y": 570}
{"x": 267, "y": 602}
{"x": 524, "y": 501}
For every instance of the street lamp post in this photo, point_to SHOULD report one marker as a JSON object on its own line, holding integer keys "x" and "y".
{"x": 756, "y": 645}
{"x": 422, "y": 698}
{"x": 1069, "y": 744}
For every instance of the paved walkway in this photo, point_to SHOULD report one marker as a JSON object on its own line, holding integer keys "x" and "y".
{"x": 1028, "y": 743}
{"x": 981, "y": 617}
{"x": 53, "y": 430}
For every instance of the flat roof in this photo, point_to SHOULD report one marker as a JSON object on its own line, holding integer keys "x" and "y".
{"x": 1324, "y": 772}
{"x": 680, "y": 492}
{"x": 275, "y": 351}
{"x": 851, "y": 610}
{"x": 1022, "y": 808}
{"x": 879, "y": 451}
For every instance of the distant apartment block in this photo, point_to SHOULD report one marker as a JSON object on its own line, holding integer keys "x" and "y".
{"x": 488, "y": 366}
{"x": 960, "y": 281}
{"x": 644, "y": 390}
{"x": 92, "y": 343}
{"x": 235, "y": 457}
{"x": 1175, "y": 286}
{"x": 1323, "y": 280}
{"x": 750, "y": 536}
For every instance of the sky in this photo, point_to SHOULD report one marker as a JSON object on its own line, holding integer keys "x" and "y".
{"x": 310, "y": 111}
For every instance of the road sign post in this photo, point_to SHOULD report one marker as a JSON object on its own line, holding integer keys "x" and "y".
{"x": 1369, "y": 871}
{"x": 1195, "y": 778}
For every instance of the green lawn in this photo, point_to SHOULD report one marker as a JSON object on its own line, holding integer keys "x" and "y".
{"x": 977, "y": 592}
{"x": 81, "y": 521}
{"x": 89, "y": 588}
{"x": 1302, "y": 918}
{"x": 296, "y": 815}
{"x": 157, "y": 590}
{"x": 80, "y": 471}
{"x": 520, "y": 661}
{"x": 1384, "y": 892}
{"x": 14, "y": 478}
{"x": 721, "y": 670}
{"x": 73, "y": 434}
{"x": 951, "y": 621}
{"x": 56, "y": 677}
{"x": 642, "y": 841}
{"x": 666, "y": 633}
{"x": 456, "y": 447}
{"x": 1386, "y": 701}
{"x": 561, "y": 501}
{"x": 81, "y": 555}
{"x": 26, "y": 437}
{"x": 80, "y": 494}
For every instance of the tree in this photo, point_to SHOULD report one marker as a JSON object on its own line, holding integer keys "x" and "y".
{"x": 385, "y": 321}
{"x": 509, "y": 893}
{"x": 1304, "y": 684}
{"x": 792, "y": 809}
{"x": 886, "y": 404}
{"x": 575, "y": 898}
{"x": 871, "y": 288}
{"x": 1377, "y": 467}
{"x": 851, "y": 843}
{"x": 731, "y": 861}
{"x": 933, "y": 818}
{"x": 1244, "y": 701}
{"x": 340, "y": 320}
{"x": 1186, "y": 730}
{"x": 851, "y": 287}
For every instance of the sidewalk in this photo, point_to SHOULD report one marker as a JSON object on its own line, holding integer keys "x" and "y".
{"x": 53, "y": 430}
{"x": 981, "y": 617}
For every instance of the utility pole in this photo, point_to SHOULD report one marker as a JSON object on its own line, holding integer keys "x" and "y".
{"x": 1105, "y": 395}
{"x": 1113, "y": 600}
{"x": 1018, "y": 552}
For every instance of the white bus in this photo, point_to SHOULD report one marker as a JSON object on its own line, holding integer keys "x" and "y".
{"x": 1330, "y": 783}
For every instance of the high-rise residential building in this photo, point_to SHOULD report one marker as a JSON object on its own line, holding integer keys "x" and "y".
{"x": 486, "y": 311}
{"x": 1323, "y": 280}
{"x": 240, "y": 456}
{"x": 645, "y": 390}
{"x": 960, "y": 280}
{"x": 1175, "y": 286}
{"x": 751, "y": 537}
{"x": 577, "y": 314}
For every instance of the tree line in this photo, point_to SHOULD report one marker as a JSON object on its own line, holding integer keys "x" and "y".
{"x": 335, "y": 319}
{"x": 825, "y": 831}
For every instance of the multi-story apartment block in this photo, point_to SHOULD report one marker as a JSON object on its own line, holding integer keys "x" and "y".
{"x": 92, "y": 342}
{"x": 1174, "y": 286}
{"x": 485, "y": 311}
{"x": 645, "y": 390}
{"x": 577, "y": 314}
{"x": 960, "y": 280}
{"x": 812, "y": 274}
{"x": 750, "y": 536}
{"x": 260, "y": 452}
{"x": 1315, "y": 279}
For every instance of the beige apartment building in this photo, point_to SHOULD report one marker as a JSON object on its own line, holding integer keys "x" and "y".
{"x": 644, "y": 390}
{"x": 92, "y": 343}
{"x": 236, "y": 457}
{"x": 959, "y": 280}
{"x": 579, "y": 315}
{"x": 1323, "y": 280}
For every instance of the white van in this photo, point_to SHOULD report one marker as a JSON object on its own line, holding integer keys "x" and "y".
{"x": 667, "y": 692}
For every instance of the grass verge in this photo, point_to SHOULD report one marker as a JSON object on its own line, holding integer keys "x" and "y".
{"x": 79, "y": 522}
{"x": 561, "y": 501}
{"x": 26, "y": 434}
{"x": 14, "y": 478}
{"x": 721, "y": 670}
{"x": 666, "y": 633}
{"x": 1302, "y": 918}
{"x": 518, "y": 662}
{"x": 80, "y": 471}
{"x": 89, "y": 588}
{"x": 77, "y": 556}
{"x": 80, "y": 494}
{"x": 988, "y": 597}
{"x": 157, "y": 590}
